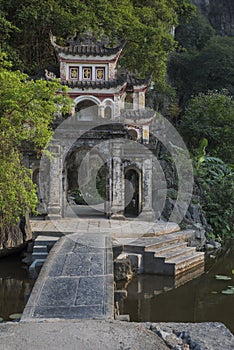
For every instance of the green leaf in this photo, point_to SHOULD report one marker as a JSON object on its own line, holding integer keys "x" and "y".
{"x": 15, "y": 316}
{"x": 228, "y": 291}
{"x": 223, "y": 278}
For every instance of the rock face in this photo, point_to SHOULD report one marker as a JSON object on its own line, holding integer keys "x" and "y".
{"x": 14, "y": 237}
{"x": 220, "y": 14}
{"x": 122, "y": 270}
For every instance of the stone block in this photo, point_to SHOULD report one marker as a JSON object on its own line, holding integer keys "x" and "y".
{"x": 69, "y": 312}
{"x": 58, "y": 291}
{"x": 83, "y": 265}
{"x": 90, "y": 291}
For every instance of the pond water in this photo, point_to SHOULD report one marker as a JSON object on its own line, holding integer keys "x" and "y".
{"x": 15, "y": 286}
{"x": 150, "y": 298}
{"x": 157, "y": 298}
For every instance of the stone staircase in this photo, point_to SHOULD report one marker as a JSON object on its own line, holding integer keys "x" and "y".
{"x": 41, "y": 248}
{"x": 167, "y": 254}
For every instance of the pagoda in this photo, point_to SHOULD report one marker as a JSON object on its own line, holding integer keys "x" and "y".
{"x": 88, "y": 68}
{"x": 109, "y": 128}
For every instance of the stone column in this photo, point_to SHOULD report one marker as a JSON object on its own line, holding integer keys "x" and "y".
{"x": 101, "y": 110}
{"x": 147, "y": 210}
{"x": 141, "y": 100}
{"x": 117, "y": 202}
{"x": 135, "y": 101}
{"x": 55, "y": 184}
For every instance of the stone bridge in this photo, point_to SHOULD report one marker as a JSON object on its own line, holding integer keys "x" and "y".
{"x": 76, "y": 280}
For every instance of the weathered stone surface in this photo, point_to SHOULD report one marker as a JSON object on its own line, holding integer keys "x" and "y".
{"x": 15, "y": 237}
{"x": 73, "y": 284}
{"x": 78, "y": 335}
{"x": 199, "y": 336}
{"x": 122, "y": 270}
{"x": 58, "y": 291}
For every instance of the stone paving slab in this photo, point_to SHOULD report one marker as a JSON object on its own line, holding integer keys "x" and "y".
{"x": 76, "y": 280}
{"x": 115, "y": 228}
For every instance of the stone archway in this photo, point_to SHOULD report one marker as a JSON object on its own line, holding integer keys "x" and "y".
{"x": 86, "y": 182}
{"x": 132, "y": 192}
{"x": 87, "y": 110}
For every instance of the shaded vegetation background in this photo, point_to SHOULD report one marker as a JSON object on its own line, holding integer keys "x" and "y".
{"x": 192, "y": 85}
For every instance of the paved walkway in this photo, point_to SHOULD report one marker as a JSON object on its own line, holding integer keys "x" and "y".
{"x": 76, "y": 280}
{"x": 114, "y": 228}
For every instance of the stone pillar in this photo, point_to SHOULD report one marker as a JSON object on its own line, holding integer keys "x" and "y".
{"x": 117, "y": 202}
{"x": 101, "y": 110}
{"x": 135, "y": 101}
{"x": 55, "y": 184}
{"x": 141, "y": 100}
{"x": 147, "y": 210}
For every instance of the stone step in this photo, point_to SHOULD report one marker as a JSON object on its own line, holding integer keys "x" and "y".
{"x": 163, "y": 250}
{"x": 36, "y": 256}
{"x": 182, "y": 264}
{"x": 187, "y": 251}
{"x": 170, "y": 239}
{"x": 145, "y": 244}
{"x": 46, "y": 240}
{"x": 40, "y": 249}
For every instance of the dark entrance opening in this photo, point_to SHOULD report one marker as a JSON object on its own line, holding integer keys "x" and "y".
{"x": 86, "y": 182}
{"x": 87, "y": 110}
{"x": 132, "y": 193}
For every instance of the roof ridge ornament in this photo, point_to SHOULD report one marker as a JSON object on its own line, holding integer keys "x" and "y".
{"x": 49, "y": 75}
{"x": 87, "y": 38}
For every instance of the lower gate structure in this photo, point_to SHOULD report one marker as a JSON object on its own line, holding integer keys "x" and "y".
{"x": 99, "y": 153}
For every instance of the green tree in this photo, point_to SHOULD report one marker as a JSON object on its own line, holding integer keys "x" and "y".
{"x": 216, "y": 180}
{"x": 27, "y": 109}
{"x": 146, "y": 25}
{"x": 211, "y": 116}
{"x": 199, "y": 71}
{"x": 194, "y": 34}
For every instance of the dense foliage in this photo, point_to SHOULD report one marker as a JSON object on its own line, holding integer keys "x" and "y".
{"x": 217, "y": 182}
{"x": 210, "y": 116}
{"x": 215, "y": 179}
{"x": 203, "y": 61}
{"x": 146, "y": 25}
{"x": 202, "y": 73}
{"x": 26, "y": 110}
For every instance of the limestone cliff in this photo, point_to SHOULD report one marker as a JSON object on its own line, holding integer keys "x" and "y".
{"x": 220, "y": 14}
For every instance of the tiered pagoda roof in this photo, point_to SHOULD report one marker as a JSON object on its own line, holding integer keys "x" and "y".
{"x": 86, "y": 45}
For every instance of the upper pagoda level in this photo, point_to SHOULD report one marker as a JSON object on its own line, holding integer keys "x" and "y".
{"x": 89, "y": 68}
{"x": 86, "y": 59}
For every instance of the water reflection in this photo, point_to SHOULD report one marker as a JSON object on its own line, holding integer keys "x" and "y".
{"x": 15, "y": 286}
{"x": 158, "y": 298}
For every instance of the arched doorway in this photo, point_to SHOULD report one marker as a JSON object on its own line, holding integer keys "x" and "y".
{"x": 108, "y": 112}
{"x": 87, "y": 110}
{"x": 132, "y": 189}
{"x": 132, "y": 134}
{"x": 128, "y": 101}
{"x": 86, "y": 182}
